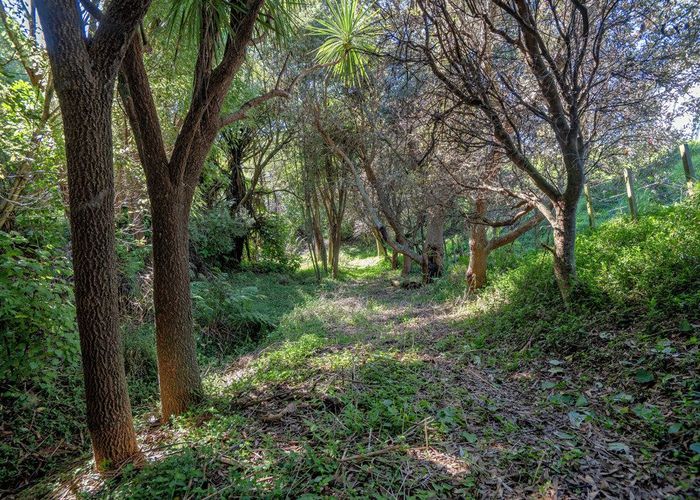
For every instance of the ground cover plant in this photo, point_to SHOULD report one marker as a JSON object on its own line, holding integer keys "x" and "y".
{"x": 344, "y": 249}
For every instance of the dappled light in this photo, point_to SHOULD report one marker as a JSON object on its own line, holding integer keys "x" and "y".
{"x": 349, "y": 249}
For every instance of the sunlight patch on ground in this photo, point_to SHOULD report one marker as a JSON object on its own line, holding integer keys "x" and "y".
{"x": 363, "y": 263}
{"x": 441, "y": 460}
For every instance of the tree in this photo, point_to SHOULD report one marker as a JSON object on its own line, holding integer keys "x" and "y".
{"x": 549, "y": 82}
{"x": 85, "y": 69}
{"x": 172, "y": 179}
{"x": 28, "y": 55}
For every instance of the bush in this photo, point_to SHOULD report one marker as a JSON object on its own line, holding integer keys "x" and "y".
{"x": 641, "y": 272}
{"x": 213, "y": 232}
{"x": 275, "y": 239}
{"x": 37, "y": 315}
{"x": 226, "y": 315}
{"x": 653, "y": 264}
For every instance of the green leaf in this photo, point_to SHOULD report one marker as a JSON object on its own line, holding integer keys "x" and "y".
{"x": 349, "y": 32}
{"x": 695, "y": 448}
{"x": 470, "y": 438}
{"x": 623, "y": 398}
{"x": 675, "y": 428}
{"x": 619, "y": 447}
{"x": 643, "y": 376}
{"x": 576, "y": 419}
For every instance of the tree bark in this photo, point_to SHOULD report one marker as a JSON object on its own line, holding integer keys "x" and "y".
{"x": 406, "y": 265}
{"x": 236, "y": 193}
{"x": 434, "y": 246}
{"x": 334, "y": 237}
{"x": 84, "y": 75}
{"x": 87, "y": 127}
{"x": 177, "y": 177}
{"x": 319, "y": 242}
{"x": 478, "y": 249}
{"x": 564, "y": 230}
{"x": 178, "y": 372}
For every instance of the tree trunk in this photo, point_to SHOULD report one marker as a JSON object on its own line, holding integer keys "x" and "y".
{"x": 334, "y": 247}
{"x": 84, "y": 78}
{"x": 478, "y": 256}
{"x": 318, "y": 232}
{"x": 178, "y": 373}
{"x": 478, "y": 249}
{"x": 564, "y": 249}
{"x": 381, "y": 249}
{"x": 236, "y": 192}
{"x": 434, "y": 247}
{"x": 406, "y": 265}
{"x": 87, "y": 125}
{"x": 394, "y": 259}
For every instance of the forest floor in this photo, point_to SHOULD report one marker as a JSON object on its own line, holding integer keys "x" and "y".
{"x": 367, "y": 389}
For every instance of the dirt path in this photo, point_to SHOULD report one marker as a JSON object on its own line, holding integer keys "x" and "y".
{"x": 373, "y": 391}
{"x": 411, "y": 409}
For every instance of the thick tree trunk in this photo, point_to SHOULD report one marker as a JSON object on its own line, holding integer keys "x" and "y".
{"x": 84, "y": 80}
{"x": 87, "y": 125}
{"x": 478, "y": 256}
{"x": 434, "y": 247}
{"x": 178, "y": 373}
{"x": 564, "y": 249}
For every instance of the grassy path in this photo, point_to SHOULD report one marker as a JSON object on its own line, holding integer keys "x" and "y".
{"x": 371, "y": 390}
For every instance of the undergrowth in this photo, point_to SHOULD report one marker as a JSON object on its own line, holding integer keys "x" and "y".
{"x": 304, "y": 382}
{"x": 630, "y": 336}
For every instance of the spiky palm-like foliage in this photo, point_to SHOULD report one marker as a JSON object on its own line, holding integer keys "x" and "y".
{"x": 349, "y": 34}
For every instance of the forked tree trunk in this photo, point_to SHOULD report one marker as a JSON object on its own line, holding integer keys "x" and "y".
{"x": 84, "y": 76}
{"x": 480, "y": 247}
{"x": 174, "y": 179}
{"x": 434, "y": 247}
{"x": 178, "y": 373}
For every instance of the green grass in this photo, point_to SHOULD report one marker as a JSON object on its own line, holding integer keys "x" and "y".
{"x": 631, "y": 337}
{"x": 450, "y": 389}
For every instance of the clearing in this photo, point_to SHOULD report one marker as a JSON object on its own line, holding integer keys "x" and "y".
{"x": 368, "y": 389}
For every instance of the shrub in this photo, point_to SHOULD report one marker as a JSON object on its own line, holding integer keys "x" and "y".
{"x": 213, "y": 232}
{"x": 226, "y": 314}
{"x": 642, "y": 272}
{"x": 275, "y": 239}
{"x": 40, "y": 337}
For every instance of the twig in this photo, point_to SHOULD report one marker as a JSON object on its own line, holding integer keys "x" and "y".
{"x": 364, "y": 456}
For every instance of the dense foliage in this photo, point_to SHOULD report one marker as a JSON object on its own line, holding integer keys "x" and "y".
{"x": 357, "y": 164}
